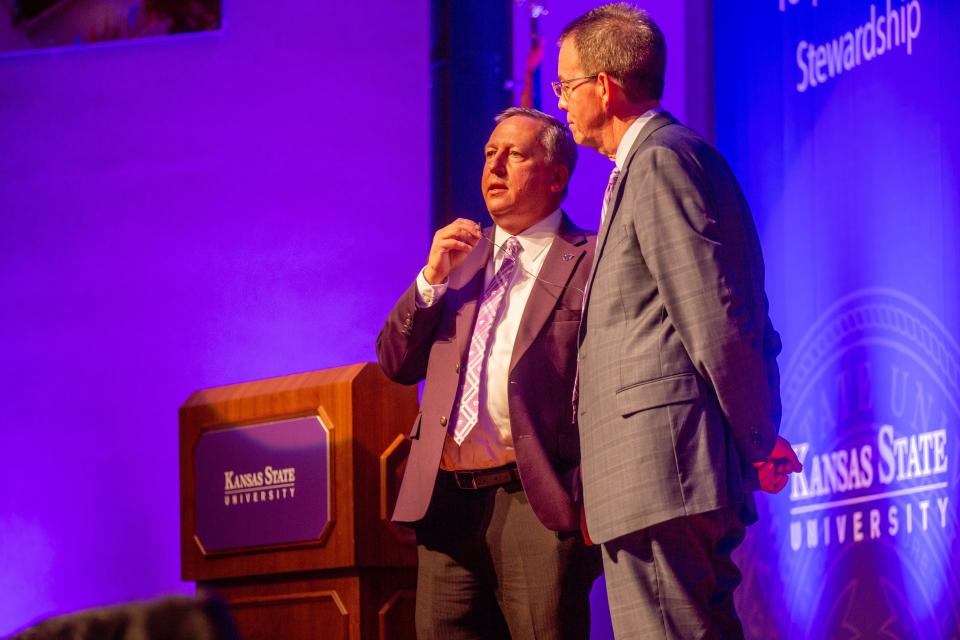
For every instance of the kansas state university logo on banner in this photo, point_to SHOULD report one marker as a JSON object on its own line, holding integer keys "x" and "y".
{"x": 869, "y": 530}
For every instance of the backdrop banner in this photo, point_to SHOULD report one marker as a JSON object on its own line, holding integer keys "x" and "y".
{"x": 840, "y": 120}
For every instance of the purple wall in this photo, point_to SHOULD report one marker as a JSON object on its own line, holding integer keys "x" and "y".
{"x": 191, "y": 212}
{"x": 178, "y": 214}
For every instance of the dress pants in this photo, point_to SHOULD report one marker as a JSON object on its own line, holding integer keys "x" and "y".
{"x": 676, "y": 579}
{"x": 489, "y": 569}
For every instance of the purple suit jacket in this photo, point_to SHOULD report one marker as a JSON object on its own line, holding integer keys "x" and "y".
{"x": 432, "y": 343}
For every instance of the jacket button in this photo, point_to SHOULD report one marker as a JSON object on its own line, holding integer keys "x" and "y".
{"x": 443, "y": 421}
{"x": 457, "y": 368}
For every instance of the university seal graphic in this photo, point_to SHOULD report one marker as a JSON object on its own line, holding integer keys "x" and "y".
{"x": 867, "y": 538}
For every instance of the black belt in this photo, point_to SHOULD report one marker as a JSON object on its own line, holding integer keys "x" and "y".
{"x": 485, "y": 478}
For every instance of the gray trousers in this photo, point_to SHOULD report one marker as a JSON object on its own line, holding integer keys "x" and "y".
{"x": 489, "y": 569}
{"x": 676, "y": 579}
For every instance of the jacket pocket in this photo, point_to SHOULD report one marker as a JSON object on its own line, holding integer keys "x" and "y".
{"x": 658, "y": 392}
{"x": 415, "y": 431}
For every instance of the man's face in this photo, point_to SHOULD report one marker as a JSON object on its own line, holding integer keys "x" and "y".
{"x": 579, "y": 99}
{"x": 519, "y": 187}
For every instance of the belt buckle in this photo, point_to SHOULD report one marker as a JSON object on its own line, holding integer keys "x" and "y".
{"x": 492, "y": 479}
{"x": 466, "y": 479}
{"x": 484, "y": 478}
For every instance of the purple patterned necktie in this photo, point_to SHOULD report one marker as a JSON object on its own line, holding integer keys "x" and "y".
{"x": 491, "y": 304}
{"x": 608, "y": 193}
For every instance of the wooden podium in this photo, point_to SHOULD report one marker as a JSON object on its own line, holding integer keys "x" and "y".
{"x": 348, "y": 572}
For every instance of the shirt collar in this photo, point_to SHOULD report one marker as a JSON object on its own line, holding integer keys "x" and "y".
{"x": 631, "y": 135}
{"x": 534, "y": 239}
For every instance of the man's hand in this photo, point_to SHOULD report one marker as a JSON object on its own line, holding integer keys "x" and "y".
{"x": 451, "y": 245}
{"x": 775, "y": 470}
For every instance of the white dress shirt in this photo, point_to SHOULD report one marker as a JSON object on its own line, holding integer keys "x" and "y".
{"x": 631, "y": 134}
{"x": 490, "y": 442}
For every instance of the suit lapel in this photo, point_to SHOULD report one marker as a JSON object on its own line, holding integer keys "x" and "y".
{"x": 469, "y": 283}
{"x": 658, "y": 121}
{"x": 550, "y": 284}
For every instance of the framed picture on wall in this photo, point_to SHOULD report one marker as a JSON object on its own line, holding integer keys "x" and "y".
{"x": 38, "y": 24}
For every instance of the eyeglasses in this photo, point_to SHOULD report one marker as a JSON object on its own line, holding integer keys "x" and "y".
{"x": 563, "y": 89}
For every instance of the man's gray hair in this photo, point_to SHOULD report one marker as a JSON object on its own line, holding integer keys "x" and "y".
{"x": 556, "y": 138}
{"x": 625, "y": 43}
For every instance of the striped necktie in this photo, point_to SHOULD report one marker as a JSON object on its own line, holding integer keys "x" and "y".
{"x": 608, "y": 193}
{"x": 491, "y": 304}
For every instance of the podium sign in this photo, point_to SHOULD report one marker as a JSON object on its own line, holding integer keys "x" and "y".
{"x": 286, "y": 488}
{"x": 263, "y": 484}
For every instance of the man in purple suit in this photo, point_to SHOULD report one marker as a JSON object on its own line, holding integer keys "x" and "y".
{"x": 492, "y": 482}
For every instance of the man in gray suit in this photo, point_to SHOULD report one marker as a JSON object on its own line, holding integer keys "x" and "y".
{"x": 492, "y": 481}
{"x": 679, "y": 402}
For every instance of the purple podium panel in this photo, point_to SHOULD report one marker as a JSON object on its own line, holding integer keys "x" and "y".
{"x": 263, "y": 484}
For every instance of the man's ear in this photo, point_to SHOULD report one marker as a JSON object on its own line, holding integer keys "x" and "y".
{"x": 609, "y": 90}
{"x": 605, "y": 87}
{"x": 561, "y": 177}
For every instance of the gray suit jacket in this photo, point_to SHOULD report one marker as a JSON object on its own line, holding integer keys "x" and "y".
{"x": 679, "y": 386}
{"x": 432, "y": 343}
